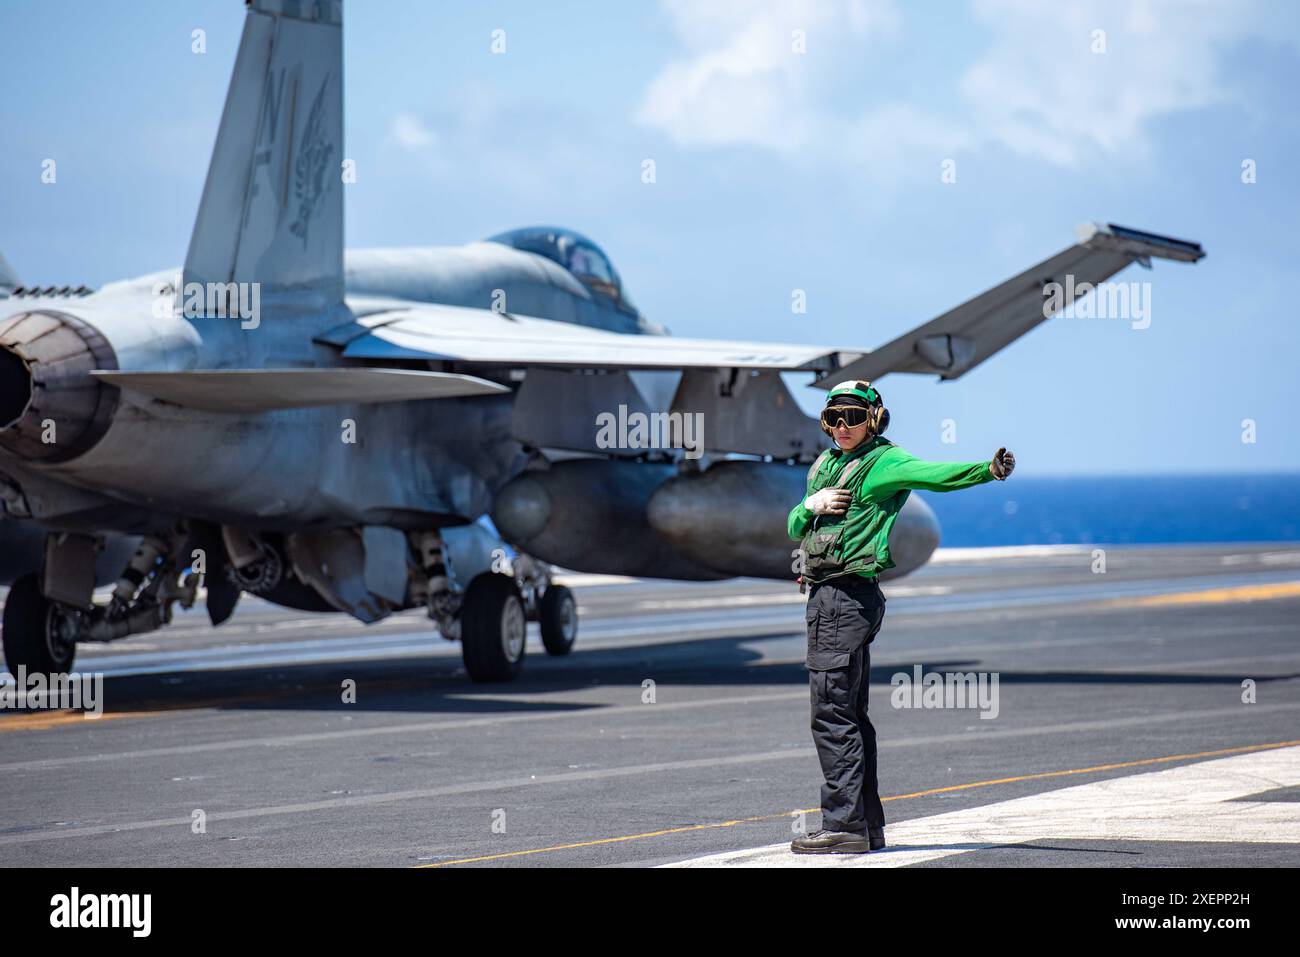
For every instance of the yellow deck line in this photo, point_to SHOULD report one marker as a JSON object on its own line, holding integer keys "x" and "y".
{"x": 1215, "y": 596}
{"x": 896, "y": 797}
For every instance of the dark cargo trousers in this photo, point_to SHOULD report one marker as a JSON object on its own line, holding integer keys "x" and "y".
{"x": 844, "y": 615}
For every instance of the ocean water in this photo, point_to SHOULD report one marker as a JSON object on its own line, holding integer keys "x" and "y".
{"x": 1135, "y": 510}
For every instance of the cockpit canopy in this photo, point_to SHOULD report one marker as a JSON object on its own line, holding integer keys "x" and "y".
{"x": 575, "y": 252}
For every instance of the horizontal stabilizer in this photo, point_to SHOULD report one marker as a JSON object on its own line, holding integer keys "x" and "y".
{"x": 262, "y": 390}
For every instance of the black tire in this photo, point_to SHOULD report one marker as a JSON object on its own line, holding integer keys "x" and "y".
{"x": 558, "y": 617}
{"x": 493, "y": 629}
{"x": 29, "y": 638}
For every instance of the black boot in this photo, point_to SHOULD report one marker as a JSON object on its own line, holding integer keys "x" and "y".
{"x": 877, "y": 837}
{"x": 830, "y": 842}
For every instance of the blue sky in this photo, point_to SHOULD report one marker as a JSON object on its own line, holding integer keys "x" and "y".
{"x": 774, "y": 172}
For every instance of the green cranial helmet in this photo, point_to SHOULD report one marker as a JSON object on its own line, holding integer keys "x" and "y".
{"x": 858, "y": 387}
{"x": 859, "y": 392}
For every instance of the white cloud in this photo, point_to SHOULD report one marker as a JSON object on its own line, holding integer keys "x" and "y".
{"x": 409, "y": 131}
{"x": 1042, "y": 91}
{"x": 891, "y": 135}
{"x": 1036, "y": 88}
{"x": 741, "y": 81}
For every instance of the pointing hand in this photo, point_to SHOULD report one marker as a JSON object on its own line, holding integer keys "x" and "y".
{"x": 1003, "y": 464}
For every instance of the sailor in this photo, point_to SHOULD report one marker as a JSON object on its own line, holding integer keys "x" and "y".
{"x": 855, "y": 492}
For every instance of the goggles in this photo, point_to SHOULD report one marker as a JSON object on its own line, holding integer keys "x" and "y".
{"x": 851, "y": 415}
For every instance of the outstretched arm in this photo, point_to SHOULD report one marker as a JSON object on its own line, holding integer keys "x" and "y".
{"x": 898, "y": 470}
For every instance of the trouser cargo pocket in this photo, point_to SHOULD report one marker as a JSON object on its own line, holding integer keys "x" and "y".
{"x": 842, "y": 616}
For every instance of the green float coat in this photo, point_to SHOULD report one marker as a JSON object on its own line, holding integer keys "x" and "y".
{"x": 879, "y": 486}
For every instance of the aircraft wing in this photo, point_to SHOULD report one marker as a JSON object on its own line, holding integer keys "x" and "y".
{"x": 962, "y": 338}
{"x": 484, "y": 337}
{"x": 948, "y": 346}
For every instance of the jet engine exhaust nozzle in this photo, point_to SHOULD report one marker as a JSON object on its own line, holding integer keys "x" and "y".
{"x": 51, "y": 409}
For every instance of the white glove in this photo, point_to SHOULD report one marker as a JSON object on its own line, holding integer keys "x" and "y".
{"x": 829, "y": 501}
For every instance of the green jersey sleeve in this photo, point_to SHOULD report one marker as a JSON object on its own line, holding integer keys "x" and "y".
{"x": 898, "y": 470}
{"x": 800, "y": 521}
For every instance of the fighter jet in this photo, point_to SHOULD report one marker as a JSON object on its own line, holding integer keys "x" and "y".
{"x": 406, "y": 428}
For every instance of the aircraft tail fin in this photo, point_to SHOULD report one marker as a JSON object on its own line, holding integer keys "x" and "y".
{"x": 8, "y": 279}
{"x": 272, "y": 206}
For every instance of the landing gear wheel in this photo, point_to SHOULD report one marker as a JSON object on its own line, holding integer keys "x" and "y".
{"x": 558, "y": 617}
{"x": 493, "y": 628}
{"x": 33, "y": 637}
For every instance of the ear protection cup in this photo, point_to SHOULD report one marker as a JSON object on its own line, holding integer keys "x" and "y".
{"x": 882, "y": 420}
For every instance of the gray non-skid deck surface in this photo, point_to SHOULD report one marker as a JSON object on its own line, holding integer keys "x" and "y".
{"x": 572, "y": 765}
